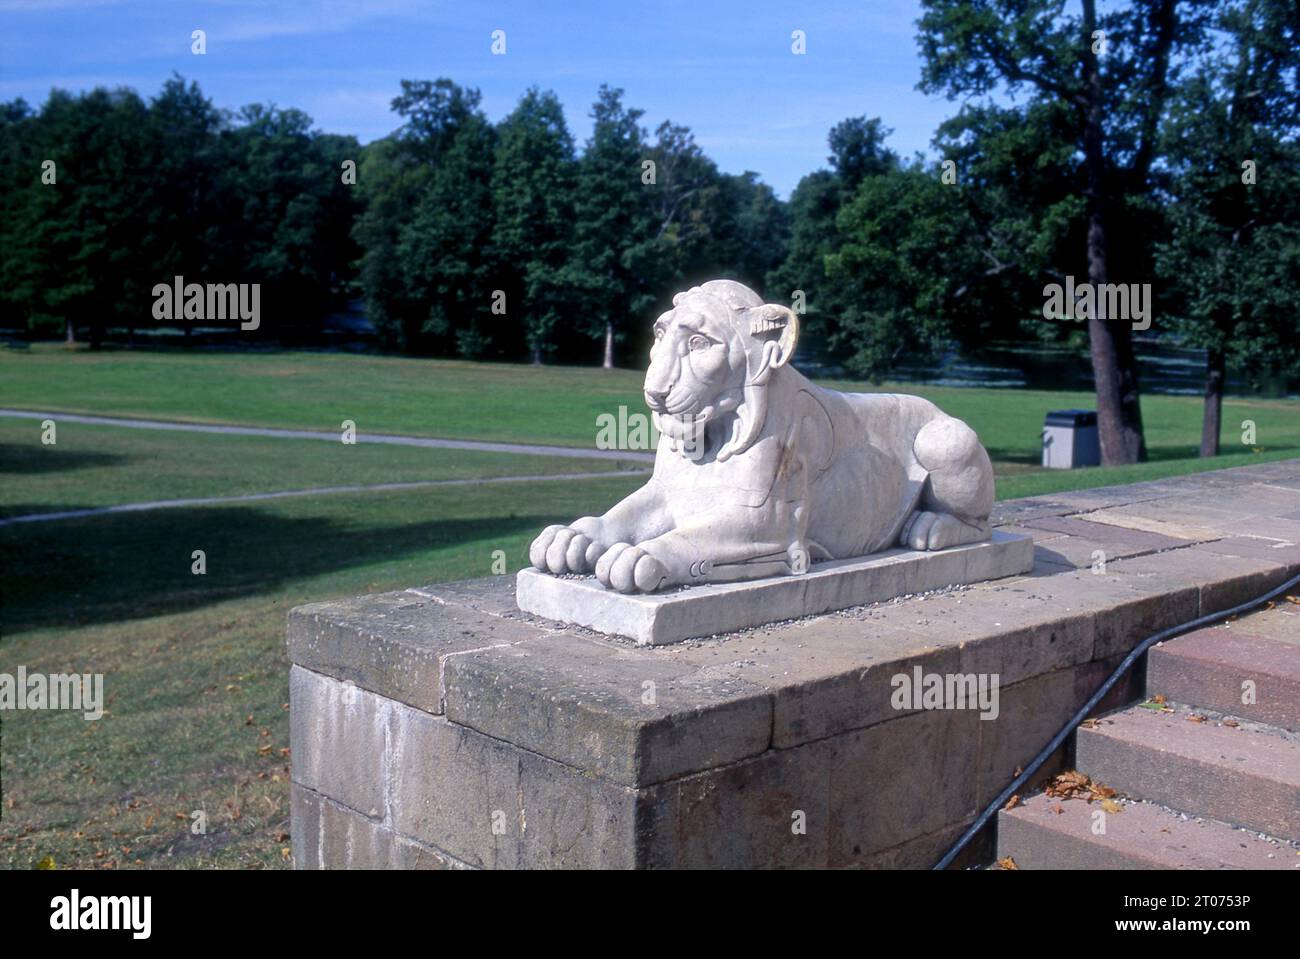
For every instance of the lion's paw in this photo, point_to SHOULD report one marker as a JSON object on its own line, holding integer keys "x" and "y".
{"x": 930, "y": 531}
{"x": 561, "y": 549}
{"x": 630, "y": 569}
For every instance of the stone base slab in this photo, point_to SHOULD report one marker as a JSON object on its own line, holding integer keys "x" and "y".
{"x": 658, "y": 619}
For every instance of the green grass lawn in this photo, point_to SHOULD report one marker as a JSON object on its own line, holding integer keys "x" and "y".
{"x": 196, "y": 678}
{"x": 93, "y": 465}
{"x": 195, "y": 674}
{"x": 558, "y": 405}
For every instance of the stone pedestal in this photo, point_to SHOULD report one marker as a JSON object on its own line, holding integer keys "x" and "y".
{"x": 441, "y": 727}
{"x": 658, "y": 619}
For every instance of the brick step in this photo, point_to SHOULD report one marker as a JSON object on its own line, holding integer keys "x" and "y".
{"x": 1144, "y": 836}
{"x": 1245, "y": 775}
{"x": 1211, "y": 668}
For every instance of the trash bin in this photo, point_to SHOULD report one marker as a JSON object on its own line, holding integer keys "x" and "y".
{"x": 1070, "y": 439}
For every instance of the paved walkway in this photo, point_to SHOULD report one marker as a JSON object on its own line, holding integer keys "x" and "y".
{"x": 522, "y": 449}
{"x": 287, "y": 494}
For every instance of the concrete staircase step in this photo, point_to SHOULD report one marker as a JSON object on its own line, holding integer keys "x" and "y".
{"x": 1045, "y": 833}
{"x": 1246, "y": 775}
{"x": 1216, "y": 668}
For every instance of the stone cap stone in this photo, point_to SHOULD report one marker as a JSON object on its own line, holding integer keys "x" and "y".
{"x": 1111, "y": 566}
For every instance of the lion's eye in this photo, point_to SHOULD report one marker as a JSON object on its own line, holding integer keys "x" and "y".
{"x": 659, "y": 332}
{"x": 697, "y": 342}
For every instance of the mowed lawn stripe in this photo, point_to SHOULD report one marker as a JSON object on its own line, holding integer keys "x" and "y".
{"x": 90, "y": 467}
{"x": 515, "y": 449}
{"x": 286, "y": 494}
{"x": 547, "y": 405}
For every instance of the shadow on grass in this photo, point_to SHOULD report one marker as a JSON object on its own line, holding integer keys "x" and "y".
{"x": 28, "y": 459}
{"x": 1023, "y": 457}
{"x": 117, "y": 568}
{"x": 11, "y": 510}
{"x": 1006, "y": 454}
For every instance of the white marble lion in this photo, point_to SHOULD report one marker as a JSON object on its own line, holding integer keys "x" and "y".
{"x": 759, "y": 471}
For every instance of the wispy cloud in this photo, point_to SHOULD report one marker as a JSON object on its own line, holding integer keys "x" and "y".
{"x": 46, "y": 6}
{"x": 268, "y": 21}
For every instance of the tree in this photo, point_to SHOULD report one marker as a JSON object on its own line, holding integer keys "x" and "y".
{"x": 687, "y": 214}
{"x": 446, "y": 250}
{"x": 1114, "y": 72}
{"x": 1232, "y": 262}
{"x": 615, "y": 223}
{"x": 813, "y": 208}
{"x": 857, "y": 152}
{"x": 427, "y": 227}
{"x": 106, "y": 197}
{"x": 294, "y": 213}
{"x": 533, "y": 181}
{"x": 83, "y": 257}
{"x": 752, "y": 232}
{"x": 1011, "y": 170}
{"x": 199, "y": 225}
{"x": 902, "y": 260}
{"x": 20, "y": 178}
{"x": 655, "y": 217}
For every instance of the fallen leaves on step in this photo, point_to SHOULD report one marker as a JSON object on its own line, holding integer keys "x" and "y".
{"x": 1073, "y": 784}
{"x": 1013, "y": 802}
{"x": 1067, "y": 784}
{"x": 1006, "y": 862}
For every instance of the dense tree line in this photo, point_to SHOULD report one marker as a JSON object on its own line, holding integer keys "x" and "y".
{"x": 508, "y": 241}
{"x": 104, "y": 195}
{"x": 1153, "y": 142}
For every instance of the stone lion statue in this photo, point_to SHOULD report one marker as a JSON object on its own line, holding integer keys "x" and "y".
{"x": 759, "y": 472}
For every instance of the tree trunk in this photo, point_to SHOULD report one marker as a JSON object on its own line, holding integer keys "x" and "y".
{"x": 1114, "y": 368}
{"x": 1216, "y": 371}
{"x": 609, "y": 346}
{"x": 537, "y": 354}
{"x": 72, "y": 331}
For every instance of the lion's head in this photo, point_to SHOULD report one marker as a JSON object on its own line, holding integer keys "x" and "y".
{"x": 713, "y": 355}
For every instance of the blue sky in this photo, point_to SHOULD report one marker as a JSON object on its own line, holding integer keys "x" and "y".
{"x": 725, "y": 68}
